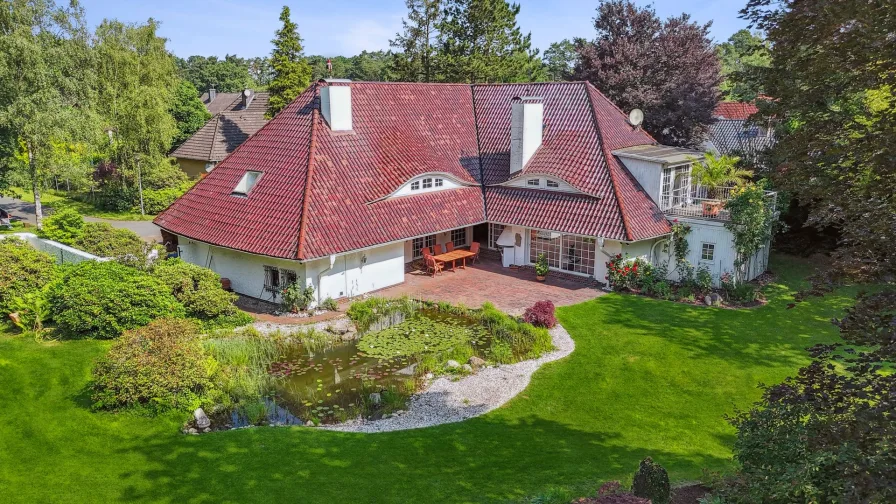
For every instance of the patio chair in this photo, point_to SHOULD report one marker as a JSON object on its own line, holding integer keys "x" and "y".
{"x": 474, "y": 248}
{"x": 425, "y": 252}
{"x": 449, "y": 246}
{"x": 436, "y": 249}
{"x": 433, "y": 266}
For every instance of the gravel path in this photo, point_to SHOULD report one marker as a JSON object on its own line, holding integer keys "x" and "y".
{"x": 447, "y": 401}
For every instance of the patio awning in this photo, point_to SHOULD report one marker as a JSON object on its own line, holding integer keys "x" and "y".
{"x": 506, "y": 238}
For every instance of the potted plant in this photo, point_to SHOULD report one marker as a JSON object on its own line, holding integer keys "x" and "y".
{"x": 541, "y": 267}
{"x": 714, "y": 172}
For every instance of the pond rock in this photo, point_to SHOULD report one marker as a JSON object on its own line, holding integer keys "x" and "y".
{"x": 376, "y": 398}
{"x": 202, "y": 420}
{"x": 408, "y": 371}
{"x": 468, "y": 368}
{"x": 476, "y": 362}
{"x": 453, "y": 364}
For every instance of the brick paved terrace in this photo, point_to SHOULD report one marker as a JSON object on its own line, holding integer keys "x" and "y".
{"x": 511, "y": 290}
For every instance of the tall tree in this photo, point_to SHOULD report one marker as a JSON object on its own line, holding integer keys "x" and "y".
{"x": 479, "y": 41}
{"x": 743, "y": 57}
{"x": 261, "y": 72}
{"x": 138, "y": 79}
{"x": 188, "y": 111}
{"x": 560, "y": 60}
{"x": 46, "y": 91}
{"x": 669, "y": 69}
{"x": 292, "y": 74}
{"x": 416, "y": 45}
{"x": 229, "y": 75}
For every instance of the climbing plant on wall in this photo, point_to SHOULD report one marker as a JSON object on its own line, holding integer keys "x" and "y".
{"x": 752, "y": 222}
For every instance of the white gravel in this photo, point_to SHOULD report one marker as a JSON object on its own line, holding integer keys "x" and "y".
{"x": 446, "y": 401}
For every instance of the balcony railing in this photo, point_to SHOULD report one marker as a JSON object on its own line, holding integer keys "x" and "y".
{"x": 703, "y": 202}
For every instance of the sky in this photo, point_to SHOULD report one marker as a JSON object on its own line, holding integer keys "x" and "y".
{"x": 347, "y": 27}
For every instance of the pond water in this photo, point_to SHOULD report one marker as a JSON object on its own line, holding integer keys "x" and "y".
{"x": 334, "y": 384}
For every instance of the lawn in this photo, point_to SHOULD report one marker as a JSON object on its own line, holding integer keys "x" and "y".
{"x": 59, "y": 199}
{"x": 647, "y": 378}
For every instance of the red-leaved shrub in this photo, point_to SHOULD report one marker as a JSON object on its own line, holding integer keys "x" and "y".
{"x": 541, "y": 314}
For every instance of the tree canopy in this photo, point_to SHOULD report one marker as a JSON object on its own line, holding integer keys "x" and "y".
{"x": 188, "y": 111}
{"x": 743, "y": 56}
{"x": 291, "y": 73}
{"x": 228, "y": 75}
{"x": 560, "y": 60}
{"x": 417, "y": 44}
{"x": 669, "y": 69}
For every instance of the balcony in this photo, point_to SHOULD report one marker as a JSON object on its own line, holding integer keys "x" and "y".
{"x": 701, "y": 202}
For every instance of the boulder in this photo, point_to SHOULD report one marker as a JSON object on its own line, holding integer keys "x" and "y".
{"x": 429, "y": 376}
{"x": 202, "y": 420}
{"x": 476, "y": 362}
{"x": 408, "y": 371}
{"x": 309, "y": 423}
{"x": 713, "y": 299}
{"x": 453, "y": 364}
{"x": 468, "y": 368}
{"x": 192, "y": 431}
{"x": 375, "y": 398}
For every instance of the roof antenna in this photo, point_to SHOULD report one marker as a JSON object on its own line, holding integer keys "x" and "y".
{"x": 329, "y": 67}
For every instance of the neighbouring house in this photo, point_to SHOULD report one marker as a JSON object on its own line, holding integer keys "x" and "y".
{"x": 348, "y": 183}
{"x": 734, "y": 133}
{"x": 235, "y": 117}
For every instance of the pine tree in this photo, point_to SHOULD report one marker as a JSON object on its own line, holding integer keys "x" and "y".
{"x": 292, "y": 74}
{"x": 479, "y": 41}
{"x": 415, "y": 61}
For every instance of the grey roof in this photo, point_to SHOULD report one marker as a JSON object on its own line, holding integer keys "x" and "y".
{"x": 739, "y": 137}
{"x": 226, "y": 130}
{"x": 221, "y": 102}
{"x": 661, "y": 154}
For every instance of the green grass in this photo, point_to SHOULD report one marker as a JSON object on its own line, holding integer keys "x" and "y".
{"x": 58, "y": 200}
{"x": 647, "y": 378}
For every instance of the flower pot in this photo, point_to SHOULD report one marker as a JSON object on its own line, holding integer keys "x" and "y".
{"x": 711, "y": 208}
{"x": 540, "y": 278}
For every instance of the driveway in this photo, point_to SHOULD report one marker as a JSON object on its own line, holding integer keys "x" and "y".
{"x": 25, "y": 211}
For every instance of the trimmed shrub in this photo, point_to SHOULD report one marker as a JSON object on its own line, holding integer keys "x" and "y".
{"x": 297, "y": 298}
{"x": 652, "y": 482}
{"x": 123, "y": 245}
{"x": 541, "y": 314}
{"x": 64, "y": 226}
{"x": 104, "y": 299}
{"x": 160, "y": 367}
{"x": 329, "y": 304}
{"x": 157, "y": 200}
{"x": 197, "y": 288}
{"x": 23, "y": 270}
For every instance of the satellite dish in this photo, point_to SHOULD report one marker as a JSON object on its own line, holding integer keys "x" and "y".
{"x": 247, "y": 93}
{"x": 636, "y": 117}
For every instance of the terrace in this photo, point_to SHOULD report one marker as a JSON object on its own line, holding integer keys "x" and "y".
{"x": 702, "y": 202}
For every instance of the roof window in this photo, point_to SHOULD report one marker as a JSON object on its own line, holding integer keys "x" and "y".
{"x": 247, "y": 183}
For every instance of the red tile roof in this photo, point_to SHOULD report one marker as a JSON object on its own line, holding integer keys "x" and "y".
{"x": 735, "y": 110}
{"x": 326, "y": 192}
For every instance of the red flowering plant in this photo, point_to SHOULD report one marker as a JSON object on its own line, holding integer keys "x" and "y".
{"x": 624, "y": 273}
{"x": 541, "y": 314}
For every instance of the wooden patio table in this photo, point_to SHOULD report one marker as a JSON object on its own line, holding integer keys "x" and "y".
{"x": 454, "y": 256}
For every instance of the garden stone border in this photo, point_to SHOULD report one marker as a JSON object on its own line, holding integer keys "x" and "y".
{"x": 446, "y": 401}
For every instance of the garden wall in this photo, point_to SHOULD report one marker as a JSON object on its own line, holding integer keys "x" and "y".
{"x": 63, "y": 253}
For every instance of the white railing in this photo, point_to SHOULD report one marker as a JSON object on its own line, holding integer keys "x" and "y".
{"x": 702, "y": 202}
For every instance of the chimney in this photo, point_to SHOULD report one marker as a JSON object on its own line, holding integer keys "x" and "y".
{"x": 212, "y": 94}
{"x": 336, "y": 104}
{"x": 526, "y": 119}
{"x": 246, "y": 97}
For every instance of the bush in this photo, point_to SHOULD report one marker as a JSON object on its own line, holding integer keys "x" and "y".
{"x": 123, "y": 245}
{"x": 157, "y": 200}
{"x": 104, "y": 299}
{"x": 541, "y": 314}
{"x": 329, "y": 304}
{"x": 297, "y": 298}
{"x": 652, "y": 482}
{"x": 703, "y": 280}
{"x": 661, "y": 289}
{"x": 23, "y": 270}
{"x": 197, "y": 288}
{"x": 738, "y": 293}
{"x": 624, "y": 273}
{"x": 64, "y": 226}
{"x": 160, "y": 367}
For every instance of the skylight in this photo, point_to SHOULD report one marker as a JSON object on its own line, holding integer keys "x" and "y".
{"x": 247, "y": 183}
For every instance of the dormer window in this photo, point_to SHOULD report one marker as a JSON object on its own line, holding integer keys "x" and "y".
{"x": 439, "y": 182}
{"x": 553, "y": 184}
{"x": 415, "y": 185}
{"x": 427, "y": 183}
{"x": 247, "y": 183}
{"x": 534, "y": 182}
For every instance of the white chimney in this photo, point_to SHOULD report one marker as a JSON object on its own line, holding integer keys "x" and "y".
{"x": 526, "y": 119}
{"x": 336, "y": 104}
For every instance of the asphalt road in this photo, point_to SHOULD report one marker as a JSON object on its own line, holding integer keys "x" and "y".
{"x": 25, "y": 211}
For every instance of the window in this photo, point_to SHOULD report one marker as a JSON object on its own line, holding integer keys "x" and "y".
{"x": 708, "y": 252}
{"x": 439, "y": 182}
{"x": 271, "y": 279}
{"x": 247, "y": 182}
{"x": 427, "y": 183}
{"x": 564, "y": 252}
{"x": 533, "y": 182}
{"x": 419, "y": 243}
{"x": 415, "y": 185}
{"x": 494, "y": 232}
{"x": 288, "y": 277}
{"x": 459, "y": 237}
{"x": 676, "y": 186}
{"x": 553, "y": 184}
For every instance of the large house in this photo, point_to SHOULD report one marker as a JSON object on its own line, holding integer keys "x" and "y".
{"x": 734, "y": 132}
{"x": 349, "y": 182}
{"x": 235, "y": 117}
